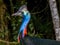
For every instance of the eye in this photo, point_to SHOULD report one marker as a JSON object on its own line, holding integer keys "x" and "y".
{"x": 22, "y": 12}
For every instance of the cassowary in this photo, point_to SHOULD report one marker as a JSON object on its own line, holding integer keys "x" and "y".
{"x": 26, "y": 18}
{"x": 27, "y": 40}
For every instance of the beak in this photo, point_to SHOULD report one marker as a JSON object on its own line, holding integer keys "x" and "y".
{"x": 17, "y": 14}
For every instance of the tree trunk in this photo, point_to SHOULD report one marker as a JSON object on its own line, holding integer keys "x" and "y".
{"x": 3, "y": 25}
{"x": 3, "y": 22}
{"x": 55, "y": 18}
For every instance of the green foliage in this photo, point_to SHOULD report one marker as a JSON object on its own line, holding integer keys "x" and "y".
{"x": 2, "y": 42}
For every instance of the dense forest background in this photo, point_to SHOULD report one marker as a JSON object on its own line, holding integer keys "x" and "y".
{"x": 40, "y": 25}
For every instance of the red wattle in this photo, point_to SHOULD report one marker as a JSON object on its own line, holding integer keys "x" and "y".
{"x": 18, "y": 39}
{"x": 25, "y": 31}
